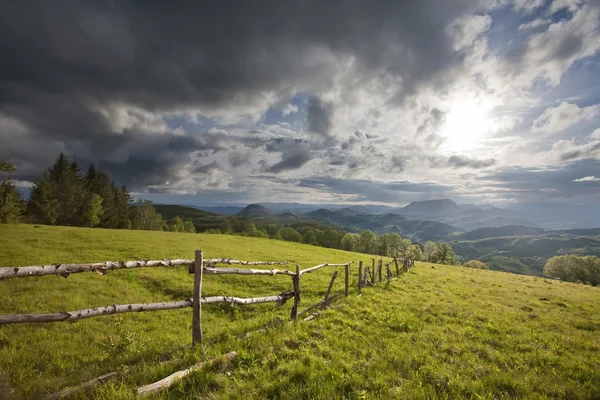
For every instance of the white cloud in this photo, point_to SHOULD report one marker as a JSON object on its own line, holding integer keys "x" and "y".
{"x": 595, "y": 134}
{"x": 587, "y": 179}
{"x": 556, "y": 119}
{"x": 569, "y": 151}
{"x": 289, "y": 109}
{"x": 571, "y": 5}
{"x": 550, "y": 53}
{"x": 528, "y": 5}
{"x": 536, "y": 23}
{"x": 465, "y": 30}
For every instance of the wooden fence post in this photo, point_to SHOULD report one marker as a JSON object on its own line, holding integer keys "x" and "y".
{"x": 296, "y": 281}
{"x": 360, "y": 276}
{"x": 397, "y": 270}
{"x": 388, "y": 272}
{"x": 347, "y": 271}
{"x": 373, "y": 271}
{"x": 367, "y": 276}
{"x": 196, "y": 305}
{"x": 379, "y": 268}
{"x": 330, "y": 286}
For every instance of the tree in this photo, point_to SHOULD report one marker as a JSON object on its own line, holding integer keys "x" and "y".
{"x": 290, "y": 234}
{"x": 189, "y": 226}
{"x": 328, "y": 238}
{"x": 68, "y": 190}
{"x": 176, "y": 225}
{"x": 225, "y": 226}
{"x": 271, "y": 230}
{"x": 11, "y": 202}
{"x": 367, "y": 243}
{"x": 310, "y": 236}
{"x": 429, "y": 251}
{"x": 43, "y": 205}
{"x": 91, "y": 210}
{"x": 475, "y": 264}
{"x": 570, "y": 268}
{"x": 145, "y": 217}
{"x": 443, "y": 254}
{"x": 416, "y": 253}
{"x": 350, "y": 241}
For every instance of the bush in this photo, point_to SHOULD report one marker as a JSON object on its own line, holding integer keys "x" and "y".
{"x": 475, "y": 264}
{"x": 215, "y": 231}
{"x": 571, "y": 268}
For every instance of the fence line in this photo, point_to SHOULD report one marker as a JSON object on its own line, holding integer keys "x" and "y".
{"x": 105, "y": 266}
{"x": 199, "y": 266}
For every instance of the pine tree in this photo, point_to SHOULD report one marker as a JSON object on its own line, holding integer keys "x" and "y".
{"x": 11, "y": 203}
{"x": 43, "y": 205}
{"x": 99, "y": 183}
{"x": 68, "y": 189}
{"x": 122, "y": 198}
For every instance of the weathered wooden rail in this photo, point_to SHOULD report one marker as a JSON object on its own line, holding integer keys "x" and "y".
{"x": 198, "y": 266}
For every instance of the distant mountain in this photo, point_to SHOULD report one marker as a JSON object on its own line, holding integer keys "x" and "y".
{"x": 465, "y": 216}
{"x": 432, "y": 208}
{"x": 222, "y": 210}
{"x": 352, "y": 220}
{"x": 255, "y": 211}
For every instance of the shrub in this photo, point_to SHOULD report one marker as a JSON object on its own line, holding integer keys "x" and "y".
{"x": 571, "y": 268}
{"x": 475, "y": 264}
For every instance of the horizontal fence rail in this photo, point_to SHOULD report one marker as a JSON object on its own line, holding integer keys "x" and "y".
{"x": 198, "y": 266}
{"x": 103, "y": 267}
{"x": 129, "y": 308}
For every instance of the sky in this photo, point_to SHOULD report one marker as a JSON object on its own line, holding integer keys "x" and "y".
{"x": 387, "y": 102}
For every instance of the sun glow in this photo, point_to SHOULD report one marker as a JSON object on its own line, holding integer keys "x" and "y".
{"x": 466, "y": 124}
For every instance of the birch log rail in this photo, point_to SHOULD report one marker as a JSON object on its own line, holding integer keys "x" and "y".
{"x": 164, "y": 383}
{"x": 316, "y": 267}
{"x": 102, "y": 267}
{"x": 128, "y": 308}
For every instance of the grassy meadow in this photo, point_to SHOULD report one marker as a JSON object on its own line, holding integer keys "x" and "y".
{"x": 435, "y": 332}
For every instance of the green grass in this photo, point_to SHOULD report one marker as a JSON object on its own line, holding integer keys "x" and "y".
{"x": 436, "y": 332}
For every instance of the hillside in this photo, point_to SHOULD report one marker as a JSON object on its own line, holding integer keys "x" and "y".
{"x": 255, "y": 211}
{"x": 355, "y": 221}
{"x": 435, "y": 332}
{"x": 525, "y": 254}
{"x": 201, "y": 219}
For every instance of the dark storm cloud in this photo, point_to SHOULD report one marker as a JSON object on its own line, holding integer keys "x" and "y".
{"x": 291, "y": 159}
{"x": 318, "y": 116}
{"x": 65, "y": 64}
{"x": 467, "y": 162}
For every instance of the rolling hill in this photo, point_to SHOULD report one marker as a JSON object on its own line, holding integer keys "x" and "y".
{"x": 522, "y": 249}
{"x": 435, "y": 332}
{"x": 354, "y": 221}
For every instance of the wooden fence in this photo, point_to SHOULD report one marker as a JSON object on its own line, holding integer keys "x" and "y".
{"x": 199, "y": 267}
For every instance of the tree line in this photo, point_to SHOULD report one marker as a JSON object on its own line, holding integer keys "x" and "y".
{"x": 63, "y": 196}
{"x": 367, "y": 242}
